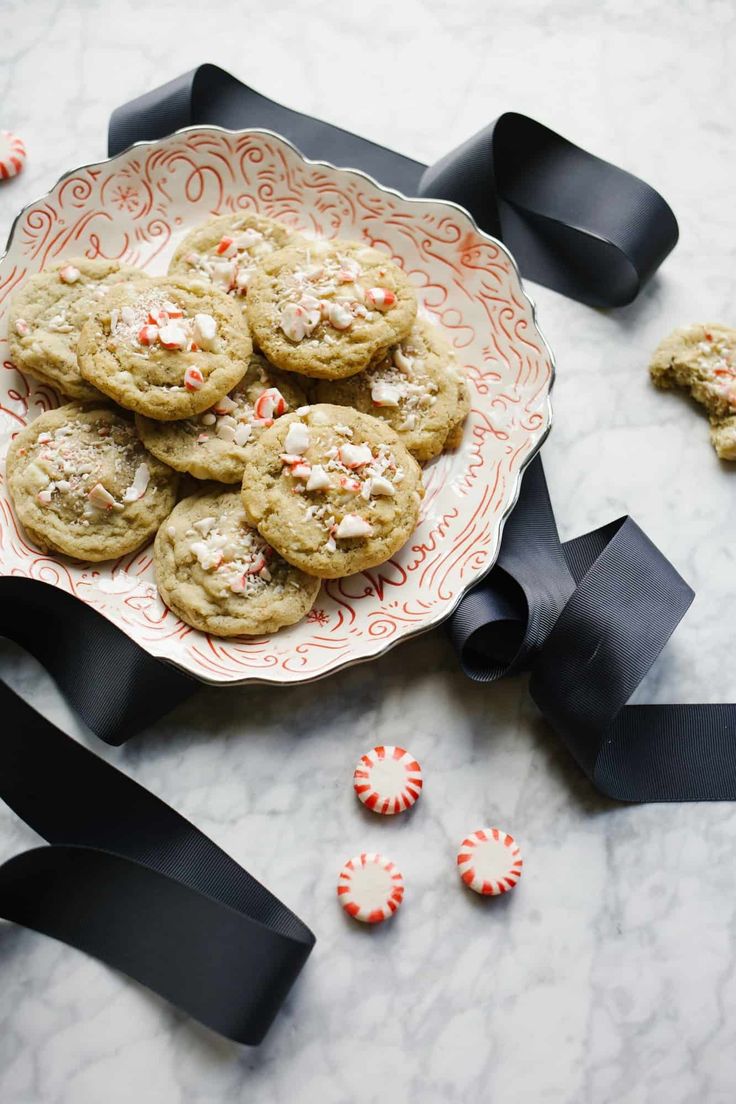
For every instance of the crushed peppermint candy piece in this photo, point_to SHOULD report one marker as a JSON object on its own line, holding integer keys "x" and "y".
{"x": 21, "y": 327}
{"x": 148, "y": 334}
{"x": 69, "y": 274}
{"x": 270, "y": 404}
{"x": 173, "y": 336}
{"x": 44, "y": 497}
{"x": 370, "y": 888}
{"x": 301, "y": 470}
{"x": 297, "y": 439}
{"x": 355, "y": 456}
{"x": 193, "y": 379}
{"x": 101, "y": 498}
{"x": 139, "y": 486}
{"x": 381, "y": 299}
{"x": 226, "y": 247}
{"x": 353, "y": 525}
{"x": 298, "y": 322}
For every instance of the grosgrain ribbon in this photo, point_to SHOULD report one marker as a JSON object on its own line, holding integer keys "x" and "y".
{"x": 133, "y": 883}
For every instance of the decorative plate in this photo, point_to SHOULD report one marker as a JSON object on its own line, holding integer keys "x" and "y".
{"x": 135, "y": 207}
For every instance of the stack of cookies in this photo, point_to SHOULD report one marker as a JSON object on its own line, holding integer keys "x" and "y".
{"x": 292, "y": 376}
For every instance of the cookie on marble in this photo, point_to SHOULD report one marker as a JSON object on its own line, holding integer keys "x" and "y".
{"x": 333, "y": 490}
{"x": 167, "y": 348}
{"x": 47, "y": 315}
{"x": 723, "y": 436}
{"x": 215, "y": 444}
{"x": 327, "y": 308}
{"x": 82, "y": 484}
{"x": 227, "y": 250}
{"x": 701, "y": 359}
{"x": 415, "y": 387}
{"x": 217, "y": 573}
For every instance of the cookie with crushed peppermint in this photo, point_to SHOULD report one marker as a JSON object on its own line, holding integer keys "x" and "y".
{"x": 215, "y": 444}
{"x": 82, "y": 484}
{"x": 47, "y": 315}
{"x": 415, "y": 387}
{"x": 701, "y": 359}
{"x": 227, "y": 250}
{"x": 326, "y": 309}
{"x": 219, "y": 575}
{"x": 167, "y": 348}
{"x": 333, "y": 490}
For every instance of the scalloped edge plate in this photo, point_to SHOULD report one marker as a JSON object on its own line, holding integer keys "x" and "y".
{"x": 135, "y": 207}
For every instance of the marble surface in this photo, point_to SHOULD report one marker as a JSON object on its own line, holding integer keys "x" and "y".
{"x": 607, "y": 977}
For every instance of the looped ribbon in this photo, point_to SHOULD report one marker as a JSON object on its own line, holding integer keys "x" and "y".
{"x": 127, "y": 879}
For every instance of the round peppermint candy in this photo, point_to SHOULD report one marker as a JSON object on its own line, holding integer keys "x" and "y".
{"x": 388, "y": 779}
{"x": 12, "y": 154}
{"x": 370, "y": 888}
{"x": 489, "y": 861}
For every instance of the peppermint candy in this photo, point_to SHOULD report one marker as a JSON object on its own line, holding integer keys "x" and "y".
{"x": 489, "y": 861}
{"x": 370, "y": 888}
{"x": 388, "y": 779}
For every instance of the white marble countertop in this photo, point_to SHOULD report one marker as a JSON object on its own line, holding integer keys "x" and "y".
{"x": 607, "y": 977}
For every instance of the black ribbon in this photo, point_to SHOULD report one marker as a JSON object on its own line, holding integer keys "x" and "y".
{"x": 131, "y": 882}
{"x": 127, "y": 879}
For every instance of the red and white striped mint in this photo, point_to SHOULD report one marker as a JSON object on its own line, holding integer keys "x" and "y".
{"x": 388, "y": 779}
{"x": 370, "y": 888}
{"x": 12, "y": 155}
{"x": 489, "y": 861}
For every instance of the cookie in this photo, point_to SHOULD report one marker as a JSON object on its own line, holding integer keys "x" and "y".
{"x": 701, "y": 359}
{"x": 47, "y": 315}
{"x": 415, "y": 387}
{"x": 228, "y": 249}
{"x": 217, "y": 574}
{"x": 167, "y": 348}
{"x": 334, "y": 491}
{"x": 83, "y": 484}
{"x": 214, "y": 445}
{"x": 723, "y": 436}
{"x": 327, "y": 308}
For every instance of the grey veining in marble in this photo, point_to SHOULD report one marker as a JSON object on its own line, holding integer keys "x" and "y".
{"x": 607, "y": 977}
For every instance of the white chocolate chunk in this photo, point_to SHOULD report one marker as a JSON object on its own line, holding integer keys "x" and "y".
{"x": 385, "y": 394}
{"x": 242, "y": 434}
{"x": 297, "y": 439}
{"x": 382, "y": 486}
{"x": 204, "y": 330}
{"x": 352, "y": 525}
{"x": 318, "y": 480}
